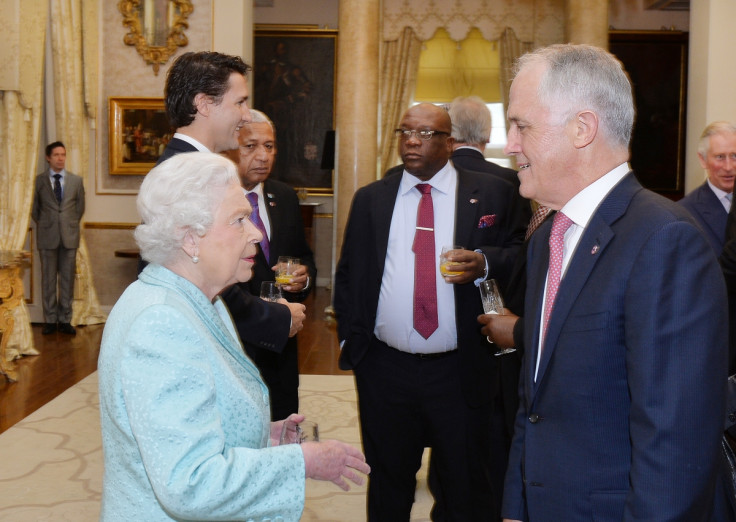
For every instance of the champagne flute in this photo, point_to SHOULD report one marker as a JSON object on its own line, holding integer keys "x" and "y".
{"x": 446, "y": 267}
{"x": 285, "y": 267}
{"x": 493, "y": 304}
{"x": 270, "y": 291}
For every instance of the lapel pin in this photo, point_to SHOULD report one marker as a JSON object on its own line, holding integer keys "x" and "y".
{"x": 595, "y": 250}
{"x": 272, "y": 203}
{"x": 473, "y": 201}
{"x": 270, "y": 196}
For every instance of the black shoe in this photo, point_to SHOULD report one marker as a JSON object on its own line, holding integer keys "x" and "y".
{"x": 66, "y": 328}
{"x": 48, "y": 328}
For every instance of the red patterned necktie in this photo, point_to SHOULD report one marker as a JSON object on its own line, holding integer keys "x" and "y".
{"x": 560, "y": 224}
{"x": 255, "y": 217}
{"x": 425, "y": 276}
{"x": 537, "y": 219}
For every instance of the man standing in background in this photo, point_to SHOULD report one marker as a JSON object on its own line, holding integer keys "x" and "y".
{"x": 710, "y": 202}
{"x": 58, "y": 205}
{"x": 280, "y": 221}
{"x": 471, "y": 129}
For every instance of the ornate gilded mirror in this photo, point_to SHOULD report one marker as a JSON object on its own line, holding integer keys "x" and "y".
{"x": 156, "y": 27}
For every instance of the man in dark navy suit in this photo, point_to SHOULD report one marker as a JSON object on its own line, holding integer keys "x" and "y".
{"x": 710, "y": 202}
{"x": 623, "y": 383}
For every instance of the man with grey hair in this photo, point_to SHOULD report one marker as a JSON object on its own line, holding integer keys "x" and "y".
{"x": 471, "y": 128}
{"x": 710, "y": 202}
{"x": 623, "y": 382}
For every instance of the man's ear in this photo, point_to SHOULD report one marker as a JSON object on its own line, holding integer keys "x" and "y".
{"x": 586, "y": 128}
{"x": 701, "y": 159}
{"x": 202, "y": 103}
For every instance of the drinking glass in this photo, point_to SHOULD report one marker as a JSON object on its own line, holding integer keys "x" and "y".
{"x": 285, "y": 267}
{"x": 446, "y": 267}
{"x": 305, "y": 431}
{"x": 270, "y": 291}
{"x": 493, "y": 304}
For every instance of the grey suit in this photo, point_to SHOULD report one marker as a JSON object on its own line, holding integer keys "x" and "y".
{"x": 57, "y": 238}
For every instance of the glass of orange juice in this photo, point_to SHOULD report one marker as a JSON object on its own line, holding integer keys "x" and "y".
{"x": 446, "y": 267}
{"x": 285, "y": 267}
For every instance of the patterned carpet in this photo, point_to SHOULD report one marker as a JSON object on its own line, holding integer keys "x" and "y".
{"x": 51, "y": 462}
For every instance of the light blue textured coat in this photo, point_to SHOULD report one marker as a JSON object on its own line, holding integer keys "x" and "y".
{"x": 185, "y": 414}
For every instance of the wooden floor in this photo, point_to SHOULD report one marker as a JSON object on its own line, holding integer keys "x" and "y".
{"x": 66, "y": 360}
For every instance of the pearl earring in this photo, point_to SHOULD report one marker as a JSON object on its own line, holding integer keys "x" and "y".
{"x": 195, "y": 259}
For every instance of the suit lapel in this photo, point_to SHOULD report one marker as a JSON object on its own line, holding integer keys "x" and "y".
{"x": 712, "y": 210}
{"x": 466, "y": 209}
{"x": 382, "y": 213}
{"x": 591, "y": 247}
{"x": 48, "y": 189}
{"x": 537, "y": 263}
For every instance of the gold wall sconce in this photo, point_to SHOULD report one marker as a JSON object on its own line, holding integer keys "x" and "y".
{"x": 156, "y": 27}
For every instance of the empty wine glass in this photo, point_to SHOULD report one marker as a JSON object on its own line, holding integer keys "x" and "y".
{"x": 493, "y": 304}
{"x": 305, "y": 431}
{"x": 270, "y": 291}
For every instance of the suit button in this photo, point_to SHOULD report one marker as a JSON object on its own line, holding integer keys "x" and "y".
{"x": 534, "y": 418}
{"x": 732, "y": 417}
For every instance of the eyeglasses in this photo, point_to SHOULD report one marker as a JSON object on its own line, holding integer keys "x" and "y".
{"x": 426, "y": 135}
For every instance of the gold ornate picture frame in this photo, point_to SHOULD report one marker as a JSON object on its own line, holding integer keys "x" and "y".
{"x": 156, "y": 27}
{"x": 139, "y": 132}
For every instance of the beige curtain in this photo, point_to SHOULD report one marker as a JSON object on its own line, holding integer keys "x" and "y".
{"x": 511, "y": 49}
{"x": 74, "y": 54}
{"x": 20, "y": 127}
{"x": 398, "y": 80}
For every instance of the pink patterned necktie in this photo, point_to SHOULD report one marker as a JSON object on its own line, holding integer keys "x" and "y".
{"x": 560, "y": 224}
{"x": 425, "y": 282}
{"x": 255, "y": 217}
{"x": 537, "y": 219}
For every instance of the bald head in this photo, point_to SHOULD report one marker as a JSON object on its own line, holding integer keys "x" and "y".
{"x": 424, "y": 158}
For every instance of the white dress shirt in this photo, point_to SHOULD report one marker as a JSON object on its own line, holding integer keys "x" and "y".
{"x": 62, "y": 180}
{"x": 580, "y": 209}
{"x": 191, "y": 141}
{"x": 723, "y": 196}
{"x": 395, "y": 314}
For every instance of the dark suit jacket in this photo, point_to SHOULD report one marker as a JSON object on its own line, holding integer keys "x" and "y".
{"x": 360, "y": 269}
{"x": 58, "y": 223}
{"x": 279, "y": 367}
{"x": 260, "y": 324}
{"x": 709, "y": 214}
{"x": 472, "y": 159}
{"x": 625, "y": 417}
{"x": 174, "y": 147}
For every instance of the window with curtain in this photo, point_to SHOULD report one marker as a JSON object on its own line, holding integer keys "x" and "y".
{"x": 448, "y": 69}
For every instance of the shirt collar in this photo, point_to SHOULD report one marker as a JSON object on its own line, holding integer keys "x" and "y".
{"x": 441, "y": 181}
{"x": 720, "y": 194}
{"x": 62, "y": 173}
{"x": 258, "y": 189}
{"x": 584, "y": 204}
{"x": 191, "y": 141}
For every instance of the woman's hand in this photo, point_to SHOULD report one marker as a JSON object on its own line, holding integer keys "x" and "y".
{"x": 334, "y": 461}
{"x": 277, "y": 427}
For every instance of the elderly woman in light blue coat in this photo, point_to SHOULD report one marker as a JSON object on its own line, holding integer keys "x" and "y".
{"x": 185, "y": 415}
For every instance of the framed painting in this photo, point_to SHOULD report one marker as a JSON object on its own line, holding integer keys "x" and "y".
{"x": 294, "y": 84}
{"x": 139, "y": 132}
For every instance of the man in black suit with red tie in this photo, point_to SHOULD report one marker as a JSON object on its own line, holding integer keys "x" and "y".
{"x": 425, "y": 376}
